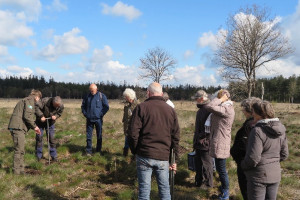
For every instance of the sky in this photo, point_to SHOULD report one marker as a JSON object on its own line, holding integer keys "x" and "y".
{"x": 94, "y": 41}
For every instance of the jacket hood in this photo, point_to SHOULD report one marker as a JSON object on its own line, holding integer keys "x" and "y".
{"x": 272, "y": 127}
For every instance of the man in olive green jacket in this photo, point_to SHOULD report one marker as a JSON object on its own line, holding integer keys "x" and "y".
{"x": 21, "y": 121}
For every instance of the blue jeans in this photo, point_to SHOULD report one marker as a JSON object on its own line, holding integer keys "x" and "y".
{"x": 221, "y": 169}
{"x": 39, "y": 142}
{"x": 89, "y": 134}
{"x": 145, "y": 166}
{"x": 262, "y": 191}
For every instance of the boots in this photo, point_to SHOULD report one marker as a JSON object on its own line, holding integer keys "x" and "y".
{"x": 224, "y": 194}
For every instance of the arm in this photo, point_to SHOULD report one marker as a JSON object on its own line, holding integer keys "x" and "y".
{"x": 83, "y": 106}
{"x": 59, "y": 111}
{"x": 134, "y": 128}
{"x": 28, "y": 114}
{"x": 217, "y": 109}
{"x": 38, "y": 109}
{"x": 105, "y": 106}
{"x": 254, "y": 150}
{"x": 284, "y": 152}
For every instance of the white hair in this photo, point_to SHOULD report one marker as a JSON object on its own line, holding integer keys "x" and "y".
{"x": 130, "y": 93}
{"x": 155, "y": 88}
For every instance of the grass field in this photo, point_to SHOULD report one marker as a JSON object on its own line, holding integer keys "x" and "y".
{"x": 111, "y": 176}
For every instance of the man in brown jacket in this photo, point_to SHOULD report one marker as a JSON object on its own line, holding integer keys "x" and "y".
{"x": 153, "y": 131}
{"x": 20, "y": 122}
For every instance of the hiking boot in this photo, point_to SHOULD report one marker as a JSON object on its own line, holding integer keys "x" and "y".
{"x": 224, "y": 194}
{"x": 54, "y": 159}
{"x": 125, "y": 152}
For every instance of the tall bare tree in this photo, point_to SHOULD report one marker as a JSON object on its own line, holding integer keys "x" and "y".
{"x": 157, "y": 65}
{"x": 252, "y": 39}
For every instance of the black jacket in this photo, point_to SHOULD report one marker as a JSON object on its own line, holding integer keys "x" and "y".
{"x": 154, "y": 130}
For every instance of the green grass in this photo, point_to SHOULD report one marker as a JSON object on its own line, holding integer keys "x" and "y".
{"x": 111, "y": 176}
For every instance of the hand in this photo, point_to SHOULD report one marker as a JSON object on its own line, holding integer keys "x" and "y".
{"x": 43, "y": 119}
{"x": 224, "y": 98}
{"x": 53, "y": 117}
{"x": 173, "y": 167}
{"x": 37, "y": 130}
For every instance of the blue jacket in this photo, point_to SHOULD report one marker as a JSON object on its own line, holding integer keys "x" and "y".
{"x": 94, "y": 107}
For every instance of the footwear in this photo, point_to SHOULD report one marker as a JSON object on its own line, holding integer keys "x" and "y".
{"x": 54, "y": 159}
{"x": 88, "y": 154}
{"x": 125, "y": 152}
{"x": 224, "y": 194}
{"x": 198, "y": 183}
{"x": 39, "y": 159}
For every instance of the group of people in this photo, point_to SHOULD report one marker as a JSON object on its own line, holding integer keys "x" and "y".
{"x": 151, "y": 130}
{"x": 259, "y": 146}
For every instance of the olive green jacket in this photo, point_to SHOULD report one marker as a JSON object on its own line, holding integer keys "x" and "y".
{"x": 23, "y": 115}
{"x": 128, "y": 109}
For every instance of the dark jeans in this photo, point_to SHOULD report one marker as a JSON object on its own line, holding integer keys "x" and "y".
{"x": 221, "y": 169}
{"x": 204, "y": 168}
{"x": 126, "y": 144}
{"x": 262, "y": 191}
{"x": 39, "y": 142}
{"x": 242, "y": 181}
{"x": 89, "y": 134}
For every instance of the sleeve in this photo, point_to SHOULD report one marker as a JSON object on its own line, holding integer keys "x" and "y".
{"x": 284, "y": 152}
{"x": 134, "y": 128}
{"x": 175, "y": 136}
{"x": 215, "y": 108}
{"x": 83, "y": 106}
{"x": 105, "y": 106}
{"x": 60, "y": 111}
{"x": 29, "y": 114}
{"x": 38, "y": 109}
{"x": 254, "y": 150}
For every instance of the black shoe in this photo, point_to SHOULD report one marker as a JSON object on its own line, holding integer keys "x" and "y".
{"x": 198, "y": 183}
{"x": 54, "y": 159}
{"x": 39, "y": 159}
{"x": 125, "y": 152}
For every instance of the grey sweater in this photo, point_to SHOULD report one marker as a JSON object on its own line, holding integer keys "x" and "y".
{"x": 267, "y": 146}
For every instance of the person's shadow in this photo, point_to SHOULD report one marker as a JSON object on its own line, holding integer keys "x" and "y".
{"x": 43, "y": 194}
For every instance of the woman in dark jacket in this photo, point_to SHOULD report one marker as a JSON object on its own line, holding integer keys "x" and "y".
{"x": 267, "y": 146}
{"x": 238, "y": 150}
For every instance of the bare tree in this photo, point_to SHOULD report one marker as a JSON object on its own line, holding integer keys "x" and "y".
{"x": 157, "y": 65}
{"x": 251, "y": 40}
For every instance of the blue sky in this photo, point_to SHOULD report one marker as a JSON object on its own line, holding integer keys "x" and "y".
{"x": 94, "y": 40}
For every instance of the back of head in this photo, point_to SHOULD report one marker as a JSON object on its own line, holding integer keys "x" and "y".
{"x": 247, "y": 103}
{"x": 264, "y": 109}
{"x": 222, "y": 92}
{"x": 36, "y": 93}
{"x": 201, "y": 94}
{"x": 155, "y": 89}
{"x": 57, "y": 101}
{"x": 130, "y": 93}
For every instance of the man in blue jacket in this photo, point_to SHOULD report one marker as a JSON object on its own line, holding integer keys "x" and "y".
{"x": 94, "y": 106}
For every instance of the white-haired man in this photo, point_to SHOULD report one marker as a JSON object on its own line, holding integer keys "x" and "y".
{"x": 152, "y": 133}
{"x": 130, "y": 103}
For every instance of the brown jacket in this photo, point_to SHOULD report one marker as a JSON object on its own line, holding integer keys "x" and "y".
{"x": 23, "y": 115}
{"x": 154, "y": 129}
{"x": 128, "y": 109}
{"x": 267, "y": 146}
{"x": 220, "y": 131}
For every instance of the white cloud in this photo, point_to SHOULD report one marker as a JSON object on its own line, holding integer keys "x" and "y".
{"x": 209, "y": 39}
{"x": 57, "y": 6}
{"x": 19, "y": 71}
{"x": 29, "y": 9}
{"x": 68, "y": 43}
{"x": 16, "y": 26}
{"x": 4, "y": 55}
{"x": 121, "y": 9}
{"x": 188, "y": 54}
{"x": 284, "y": 67}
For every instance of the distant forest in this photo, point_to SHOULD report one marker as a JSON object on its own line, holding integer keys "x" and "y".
{"x": 277, "y": 89}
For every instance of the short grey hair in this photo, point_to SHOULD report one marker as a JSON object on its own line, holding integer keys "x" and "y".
{"x": 57, "y": 100}
{"x": 247, "y": 103}
{"x": 130, "y": 93}
{"x": 155, "y": 88}
{"x": 166, "y": 96}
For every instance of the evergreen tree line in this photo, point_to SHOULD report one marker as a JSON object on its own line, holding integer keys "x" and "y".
{"x": 277, "y": 89}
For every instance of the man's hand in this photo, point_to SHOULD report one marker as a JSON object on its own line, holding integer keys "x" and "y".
{"x": 53, "y": 117}
{"x": 173, "y": 167}
{"x": 43, "y": 119}
{"x": 37, "y": 130}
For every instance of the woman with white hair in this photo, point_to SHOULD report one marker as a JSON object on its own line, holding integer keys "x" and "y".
{"x": 130, "y": 103}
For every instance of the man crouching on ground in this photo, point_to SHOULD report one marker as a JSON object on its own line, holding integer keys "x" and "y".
{"x": 152, "y": 133}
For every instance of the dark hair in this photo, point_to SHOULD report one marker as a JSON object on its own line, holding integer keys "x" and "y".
{"x": 264, "y": 109}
